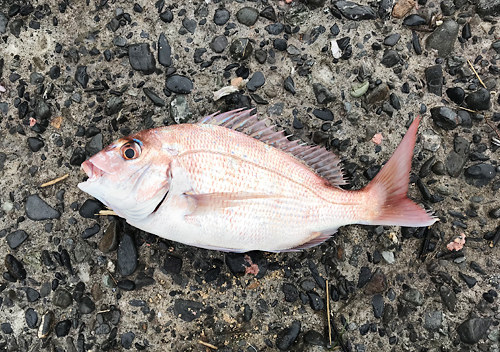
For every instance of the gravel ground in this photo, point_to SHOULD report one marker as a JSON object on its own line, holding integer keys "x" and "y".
{"x": 76, "y": 75}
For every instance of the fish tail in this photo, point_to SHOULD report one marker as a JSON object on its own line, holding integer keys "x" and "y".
{"x": 389, "y": 204}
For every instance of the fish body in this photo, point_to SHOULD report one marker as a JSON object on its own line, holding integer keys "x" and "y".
{"x": 211, "y": 186}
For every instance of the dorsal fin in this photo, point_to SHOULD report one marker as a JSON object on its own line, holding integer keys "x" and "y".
{"x": 323, "y": 162}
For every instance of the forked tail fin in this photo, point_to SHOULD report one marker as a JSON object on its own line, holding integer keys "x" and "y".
{"x": 388, "y": 189}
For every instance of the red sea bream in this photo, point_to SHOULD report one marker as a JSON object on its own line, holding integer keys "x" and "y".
{"x": 231, "y": 183}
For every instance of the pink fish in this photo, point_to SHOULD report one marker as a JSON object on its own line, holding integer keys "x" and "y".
{"x": 231, "y": 183}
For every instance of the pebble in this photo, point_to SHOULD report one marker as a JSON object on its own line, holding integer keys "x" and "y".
{"x": 392, "y": 39}
{"x": 221, "y": 16}
{"x": 113, "y": 105}
{"x": 443, "y": 38}
{"x": 390, "y": 59}
{"x": 323, "y": 95}
{"x": 141, "y": 58}
{"x": 323, "y": 114}
{"x": 469, "y": 280}
{"x": 109, "y": 242}
{"x": 379, "y": 93}
{"x": 81, "y": 76}
{"x": 448, "y": 298}
{"x": 62, "y": 328}
{"x": 94, "y": 146}
{"x": 355, "y": 12}
{"x": 179, "y": 84}
{"x": 388, "y": 256}
{"x": 480, "y": 175}
{"x": 433, "y": 320}
{"x": 377, "y": 283}
{"x": 274, "y": 28}
{"x": 280, "y": 44}
{"x": 287, "y": 336}
{"x": 127, "y": 255}
{"x": 31, "y": 318}
{"x": 289, "y": 85}
{"x": 155, "y": 98}
{"x": 291, "y": 292}
{"x": 37, "y": 209}
{"x": 472, "y": 330}
{"x": 315, "y": 301}
{"x": 444, "y": 117}
{"x": 269, "y": 13}
{"x": 4, "y": 20}
{"x": 190, "y": 25}
{"x": 413, "y": 296}
{"x": 62, "y": 298}
{"x": 479, "y": 100}
{"x": 315, "y": 338}
{"x": 247, "y": 16}
{"x": 91, "y": 231}
{"x": 219, "y": 44}
{"x": 167, "y": 16}
{"x": 90, "y": 208}
{"x": 86, "y": 305}
{"x": 164, "y": 51}
{"x": 46, "y": 325}
{"x": 378, "y": 306}
{"x": 434, "y": 78}
{"x": 16, "y": 238}
{"x": 187, "y": 310}
{"x": 179, "y": 109}
{"x": 42, "y": 110}
{"x": 256, "y": 81}
{"x": 126, "y": 340}
{"x": 414, "y": 20}
{"x": 455, "y": 163}
{"x": 456, "y": 95}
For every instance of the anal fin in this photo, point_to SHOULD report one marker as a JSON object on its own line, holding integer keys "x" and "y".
{"x": 312, "y": 240}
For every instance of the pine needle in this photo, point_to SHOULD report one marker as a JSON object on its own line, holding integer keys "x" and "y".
{"x": 206, "y": 344}
{"x": 474, "y": 70}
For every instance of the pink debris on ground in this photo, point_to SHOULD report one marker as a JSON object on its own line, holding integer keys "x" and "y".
{"x": 458, "y": 243}
{"x": 253, "y": 268}
{"x": 32, "y": 122}
{"x": 377, "y": 138}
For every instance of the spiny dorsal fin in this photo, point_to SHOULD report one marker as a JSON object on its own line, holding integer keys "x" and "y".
{"x": 323, "y": 162}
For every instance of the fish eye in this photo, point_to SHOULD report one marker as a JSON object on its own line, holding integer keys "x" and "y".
{"x": 130, "y": 150}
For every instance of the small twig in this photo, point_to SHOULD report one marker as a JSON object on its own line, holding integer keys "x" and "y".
{"x": 492, "y": 127}
{"x": 206, "y": 344}
{"x": 112, "y": 278}
{"x": 469, "y": 110}
{"x": 328, "y": 314}
{"x": 474, "y": 70}
{"x": 106, "y": 212}
{"x": 50, "y": 183}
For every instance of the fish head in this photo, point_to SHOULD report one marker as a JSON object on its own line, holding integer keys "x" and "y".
{"x": 130, "y": 176}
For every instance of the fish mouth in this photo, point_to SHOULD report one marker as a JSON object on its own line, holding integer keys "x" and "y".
{"x": 92, "y": 171}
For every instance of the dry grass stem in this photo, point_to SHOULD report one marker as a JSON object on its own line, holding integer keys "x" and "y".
{"x": 50, "y": 183}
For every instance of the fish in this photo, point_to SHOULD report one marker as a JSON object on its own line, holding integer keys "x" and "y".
{"x": 231, "y": 183}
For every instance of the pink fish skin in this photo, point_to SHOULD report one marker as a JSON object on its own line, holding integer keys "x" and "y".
{"x": 211, "y": 186}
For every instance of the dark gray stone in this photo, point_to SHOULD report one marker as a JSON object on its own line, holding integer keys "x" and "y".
{"x": 164, "y": 51}
{"x": 355, "y": 11}
{"x": 444, "y": 117}
{"x": 480, "y": 175}
{"x": 187, "y": 310}
{"x": 247, "y": 16}
{"x": 323, "y": 95}
{"x": 127, "y": 256}
{"x": 391, "y": 58}
{"x": 434, "y": 78}
{"x": 443, "y": 38}
{"x": 16, "y": 238}
{"x": 141, "y": 58}
{"x": 479, "y": 100}
{"x": 256, "y": 81}
{"x": 179, "y": 84}
{"x": 37, "y": 209}
{"x": 219, "y": 43}
{"x": 151, "y": 94}
{"x": 472, "y": 330}
{"x": 241, "y": 49}
{"x": 94, "y": 146}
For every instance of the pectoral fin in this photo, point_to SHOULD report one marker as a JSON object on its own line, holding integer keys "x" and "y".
{"x": 211, "y": 202}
